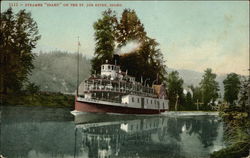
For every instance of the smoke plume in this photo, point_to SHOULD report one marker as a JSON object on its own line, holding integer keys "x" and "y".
{"x": 130, "y": 46}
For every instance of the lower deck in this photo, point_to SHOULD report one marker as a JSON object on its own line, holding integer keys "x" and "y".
{"x": 84, "y": 105}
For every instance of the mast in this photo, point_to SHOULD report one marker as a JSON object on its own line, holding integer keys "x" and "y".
{"x": 77, "y": 84}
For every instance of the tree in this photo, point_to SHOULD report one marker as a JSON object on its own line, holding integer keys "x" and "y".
{"x": 189, "y": 104}
{"x": 244, "y": 95}
{"x": 111, "y": 32}
{"x": 175, "y": 90}
{"x": 147, "y": 57}
{"x": 32, "y": 89}
{"x": 129, "y": 28}
{"x": 19, "y": 35}
{"x": 197, "y": 97}
{"x": 236, "y": 118}
{"x": 105, "y": 39}
{"x": 209, "y": 88}
{"x": 231, "y": 87}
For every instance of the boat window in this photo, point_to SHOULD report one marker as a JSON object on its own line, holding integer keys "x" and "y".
{"x": 147, "y": 101}
{"x": 103, "y": 67}
{"x": 108, "y": 67}
{"x": 132, "y": 99}
{"x": 112, "y": 67}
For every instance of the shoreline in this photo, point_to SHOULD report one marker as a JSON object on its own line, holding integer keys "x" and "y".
{"x": 40, "y": 99}
{"x": 191, "y": 113}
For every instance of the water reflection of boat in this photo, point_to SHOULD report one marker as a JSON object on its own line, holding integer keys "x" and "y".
{"x": 126, "y": 122}
{"x": 147, "y": 136}
{"x": 102, "y": 118}
{"x": 25, "y": 133}
{"x": 105, "y": 138}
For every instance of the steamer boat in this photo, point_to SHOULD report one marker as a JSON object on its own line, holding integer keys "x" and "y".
{"x": 114, "y": 91}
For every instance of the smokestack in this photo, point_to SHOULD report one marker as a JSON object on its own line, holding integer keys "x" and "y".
{"x": 116, "y": 59}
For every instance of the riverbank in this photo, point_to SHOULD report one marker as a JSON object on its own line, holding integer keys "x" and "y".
{"x": 47, "y": 99}
{"x": 237, "y": 134}
{"x": 190, "y": 113}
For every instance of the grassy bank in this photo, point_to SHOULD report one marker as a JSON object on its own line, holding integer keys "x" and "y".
{"x": 47, "y": 99}
{"x": 237, "y": 133}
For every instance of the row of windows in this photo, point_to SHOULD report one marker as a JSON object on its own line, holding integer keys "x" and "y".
{"x": 111, "y": 67}
{"x": 147, "y": 101}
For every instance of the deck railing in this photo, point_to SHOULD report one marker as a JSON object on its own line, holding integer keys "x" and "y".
{"x": 125, "y": 88}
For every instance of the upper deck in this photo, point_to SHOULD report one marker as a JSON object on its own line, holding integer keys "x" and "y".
{"x": 112, "y": 72}
{"x": 113, "y": 83}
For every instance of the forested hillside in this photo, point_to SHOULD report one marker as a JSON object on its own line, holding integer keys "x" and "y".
{"x": 57, "y": 71}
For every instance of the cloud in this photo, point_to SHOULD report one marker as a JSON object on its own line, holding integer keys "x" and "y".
{"x": 238, "y": 62}
{"x": 208, "y": 54}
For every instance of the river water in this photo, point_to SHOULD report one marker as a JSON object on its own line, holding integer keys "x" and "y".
{"x": 38, "y": 132}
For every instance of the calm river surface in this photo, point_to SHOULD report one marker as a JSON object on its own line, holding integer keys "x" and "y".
{"x": 27, "y": 132}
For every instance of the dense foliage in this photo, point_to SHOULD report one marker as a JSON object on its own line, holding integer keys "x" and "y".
{"x": 105, "y": 40}
{"x": 19, "y": 35}
{"x": 209, "y": 89}
{"x": 112, "y": 34}
{"x": 237, "y": 125}
{"x": 129, "y": 28}
{"x": 175, "y": 90}
{"x": 201, "y": 97}
{"x": 197, "y": 98}
{"x": 189, "y": 102}
{"x": 231, "y": 88}
{"x": 244, "y": 95}
{"x": 49, "y": 99}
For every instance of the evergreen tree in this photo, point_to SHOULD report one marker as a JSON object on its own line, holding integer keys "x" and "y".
{"x": 129, "y": 28}
{"x": 209, "y": 88}
{"x": 244, "y": 95}
{"x": 148, "y": 57}
{"x": 19, "y": 35}
{"x": 105, "y": 39}
{"x": 189, "y": 104}
{"x": 231, "y": 87}
{"x": 111, "y": 31}
{"x": 175, "y": 89}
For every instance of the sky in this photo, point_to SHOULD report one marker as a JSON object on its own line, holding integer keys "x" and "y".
{"x": 193, "y": 35}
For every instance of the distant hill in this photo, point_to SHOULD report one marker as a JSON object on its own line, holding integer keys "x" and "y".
{"x": 57, "y": 72}
{"x": 191, "y": 77}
